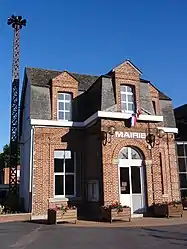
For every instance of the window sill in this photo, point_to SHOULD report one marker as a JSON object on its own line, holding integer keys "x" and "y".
{"x": 64, "y": 120}
{"x": 127, "y": 112}
{"x": 56, "y": 198}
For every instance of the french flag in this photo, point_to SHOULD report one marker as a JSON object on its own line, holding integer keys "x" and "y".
{"x": 133, "y": 118}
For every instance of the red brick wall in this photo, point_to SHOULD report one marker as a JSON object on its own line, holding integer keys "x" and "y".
{"x": 127, "y": 74}
{"x": 154, "y": 184}
{"x": 49, "y": 139}
{"x": 46, "y": 141}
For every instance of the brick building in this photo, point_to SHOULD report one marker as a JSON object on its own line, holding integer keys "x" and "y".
{"x": 80, "y": 140}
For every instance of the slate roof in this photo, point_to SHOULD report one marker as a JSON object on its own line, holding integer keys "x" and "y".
{"x": 162, "y": 95}
{"x": 97, "y": 92}
{"x": 42, "y": 77}
{"x": 85, "y": 80}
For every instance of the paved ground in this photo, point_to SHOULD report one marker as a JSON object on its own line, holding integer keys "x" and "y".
{"x": 38, "y": 236}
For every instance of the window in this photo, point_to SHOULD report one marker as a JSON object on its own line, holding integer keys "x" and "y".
{"x": 64, "y": 174}
{"x": 161, "y": 170}
{"x": 182, "y": 163}
{"x": 64, "y": 106}
{"x": 124, "y": 180}
{"x": 154, "y": 106}
{"x": 129, "y": 153}
{"x": 136, "y": 180}
{"x": 127, "y": 99}
{"x": 93, "y": 191}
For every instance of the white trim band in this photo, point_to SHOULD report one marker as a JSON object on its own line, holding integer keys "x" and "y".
{"x": 42, "y": 122}
{"x": 99, "y": 114}
{"x": 121, "y": 115}
{"x": 169, "y": 129}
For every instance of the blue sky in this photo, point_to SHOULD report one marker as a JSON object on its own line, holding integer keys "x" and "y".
{"x": 94, "y": 36}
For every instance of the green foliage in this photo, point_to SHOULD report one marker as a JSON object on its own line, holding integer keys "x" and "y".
{"x": 2, "y": 209}
{"x": 12, "y": 203}
{"x": 5, "y": 157}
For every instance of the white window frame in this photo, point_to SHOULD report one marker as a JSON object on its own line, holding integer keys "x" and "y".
{"x": 126, "y": 94}
{"x": 185, "y": 157}
{"x": 64, "y": 110}
{"x": 95, "y": 196}
{"x": 64, "y": 173}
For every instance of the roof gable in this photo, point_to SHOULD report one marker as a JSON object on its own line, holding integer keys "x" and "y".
{"x": 64, "y": 77}
{"x": 129, "y": 63}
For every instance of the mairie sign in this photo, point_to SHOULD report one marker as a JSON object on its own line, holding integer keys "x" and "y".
{"x": 122, "y": 134}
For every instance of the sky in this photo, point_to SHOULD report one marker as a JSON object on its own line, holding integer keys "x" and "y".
{"x": 93, "y": 37}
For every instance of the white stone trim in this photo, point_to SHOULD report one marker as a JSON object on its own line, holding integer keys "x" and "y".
{"x": 42, "y": 122}
{"x": 169, "y": 129}
{"x": 55, "y": 199}
{"x": 120, "y": 115}
{"x": 152, "y": 118}
{"x": 98, "y": 114}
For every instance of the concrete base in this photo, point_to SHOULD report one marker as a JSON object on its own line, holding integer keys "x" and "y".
{"x": 136, "y": 216}
{"x": 15, "y": 217}
{"x": 39, "y": 217}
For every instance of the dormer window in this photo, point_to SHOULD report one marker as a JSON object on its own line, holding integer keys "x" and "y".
{"x": 127, "y": 99}
{"x": 64, "y": 106}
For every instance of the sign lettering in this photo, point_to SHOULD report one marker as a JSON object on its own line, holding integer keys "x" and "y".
{"x": 122, "y": 134}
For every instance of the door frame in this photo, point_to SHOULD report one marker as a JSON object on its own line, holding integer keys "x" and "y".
{"x": 128, "y": 163}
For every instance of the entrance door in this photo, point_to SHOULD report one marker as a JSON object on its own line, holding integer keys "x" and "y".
{"x": 125, "y": 197}
{"x": 131, "y": 178}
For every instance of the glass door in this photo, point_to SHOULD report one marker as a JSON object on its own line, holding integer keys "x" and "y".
{"x": 125, "y": 197}
{"x": 137, "y": 189}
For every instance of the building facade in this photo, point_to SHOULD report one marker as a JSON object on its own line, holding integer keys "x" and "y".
{"x": 181, "y": 140}
{"x": 95, "y": 139}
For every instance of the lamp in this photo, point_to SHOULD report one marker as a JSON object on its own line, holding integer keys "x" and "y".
{"x": 160, "y": 133}
{"x": 106, "y": 135}
{"x": 111, "y": 130}
{"x": 150, "y": 139}
{"x": 152, "y": 134}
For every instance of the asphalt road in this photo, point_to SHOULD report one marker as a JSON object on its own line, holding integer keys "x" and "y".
{"x": 36, "y": 236}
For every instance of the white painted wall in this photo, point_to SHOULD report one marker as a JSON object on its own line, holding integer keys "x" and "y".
{"x": 25, "y": 151}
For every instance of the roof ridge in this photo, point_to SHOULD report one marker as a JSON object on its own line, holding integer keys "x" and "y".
{"x": 55, "y": 70}
{"x": 44, "y": 69}
{"x": 84, "y": 74}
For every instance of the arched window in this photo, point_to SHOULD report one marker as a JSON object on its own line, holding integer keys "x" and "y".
{"x": 129, "y": 153}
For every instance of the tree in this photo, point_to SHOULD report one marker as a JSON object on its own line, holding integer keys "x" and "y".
{"x": 5, "y": 157}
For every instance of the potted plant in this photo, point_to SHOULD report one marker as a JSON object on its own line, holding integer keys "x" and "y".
{"x": 62, "y": 213}
{"x": 2, "y": 209}
{"x": 170, "y": 209}
{"x": 116, "y": 211}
